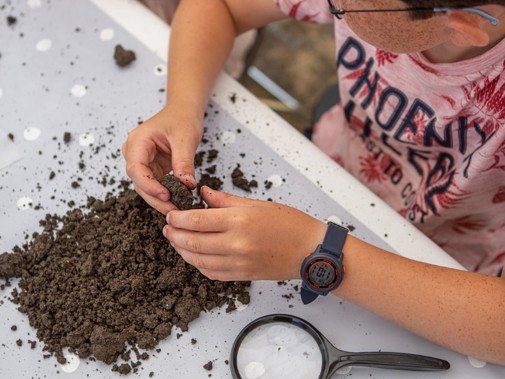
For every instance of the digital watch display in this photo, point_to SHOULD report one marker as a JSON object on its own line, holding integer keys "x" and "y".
{"x": 322, "y": 273}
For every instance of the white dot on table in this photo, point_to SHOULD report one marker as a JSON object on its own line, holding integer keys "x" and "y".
{"x": 160, "y": 70}
{"x": 228, "y": 138}
{"x": 275, "y": 179}
{"x": 1, "y": 92}
{"x": 78, "y": 90}
{"x": 86, "y": 139}
{"x": 44, "y": 44}
{"x": 106, "y": 34}
{"x": 73, "y": 362}
{"x": 24, "y": 203}
{"x": 254, "y": 370}
{"x": 31, "y": 134}
{"x": 240, "y": 306}
{"x": 34, "y": 3}
{"x": 476, "y": 362}
{"x": 335, "y": 220}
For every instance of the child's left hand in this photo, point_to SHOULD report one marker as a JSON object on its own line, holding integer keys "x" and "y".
{"x": 242, "y": 239}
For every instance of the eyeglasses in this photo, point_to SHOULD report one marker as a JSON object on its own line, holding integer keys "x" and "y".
{"x": 339, "y": 12}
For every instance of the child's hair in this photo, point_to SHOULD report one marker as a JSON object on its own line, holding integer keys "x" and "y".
{"x": 444, "y": 3}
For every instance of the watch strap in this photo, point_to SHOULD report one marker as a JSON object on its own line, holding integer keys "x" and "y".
{"x": 307, "y": 295}
{"x": 334, "y": 238}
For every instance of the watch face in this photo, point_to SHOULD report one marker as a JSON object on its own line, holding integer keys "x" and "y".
{"x": 322, "y": 273}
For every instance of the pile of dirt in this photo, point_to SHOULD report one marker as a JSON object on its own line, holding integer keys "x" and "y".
{"x": 104, "y": 282}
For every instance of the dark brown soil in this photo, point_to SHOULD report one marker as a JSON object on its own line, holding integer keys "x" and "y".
{"x": 239, "y": 180}
{"x": 122, "y": 56}
{"x": 210, "y": 181}
{"x": 208, "y": 366}
{"x": 67, "y": 137}
{"x": 180, "y": 195}
{"x": 103, "y": 281}
{"x": 11, "y": 20}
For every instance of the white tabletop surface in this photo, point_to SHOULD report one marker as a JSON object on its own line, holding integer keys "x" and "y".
{"x": 88, "y": 98}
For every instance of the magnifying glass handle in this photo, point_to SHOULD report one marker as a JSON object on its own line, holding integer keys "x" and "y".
{"x": 398, "y": 361}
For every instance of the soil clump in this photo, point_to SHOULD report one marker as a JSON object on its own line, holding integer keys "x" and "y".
{"x": 239, "y": 180}
{"x": 122, "y": 56}
{"x": 180, "y": 195}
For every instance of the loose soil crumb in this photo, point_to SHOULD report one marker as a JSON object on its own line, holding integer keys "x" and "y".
{"x": 11, "y": 20}
{"x": 212, "y": 155}
{"x": 199, "y": 158}
{"x": 180, "y": 195}
{"x": 122, "y": 56}
{"x": 210, "y": 181}
{"x": 239, "y": 180}
{"x": 208, "y": 366}
{"x": 104, "y": 282}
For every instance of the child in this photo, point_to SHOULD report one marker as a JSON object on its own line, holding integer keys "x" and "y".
{"x": 420, "y": 121}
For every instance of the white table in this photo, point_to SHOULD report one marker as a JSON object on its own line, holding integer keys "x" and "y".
{"x": 59, "y": 76}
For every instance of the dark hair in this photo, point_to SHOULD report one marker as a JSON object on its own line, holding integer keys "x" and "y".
{"x": 443, "y": 3}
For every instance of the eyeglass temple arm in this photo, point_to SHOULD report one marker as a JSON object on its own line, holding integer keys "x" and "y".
{"x": 339, "y": 12}
{"x": 480, "y": 12}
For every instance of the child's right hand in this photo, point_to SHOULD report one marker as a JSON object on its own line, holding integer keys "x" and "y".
{"x": 167, "y": 141}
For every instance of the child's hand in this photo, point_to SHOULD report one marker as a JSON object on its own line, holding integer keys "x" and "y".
{"x": 166, "y": 141}
{"x": 242, "y": 239}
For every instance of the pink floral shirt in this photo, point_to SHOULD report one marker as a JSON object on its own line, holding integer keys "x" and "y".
{"x": 428, "y": 138}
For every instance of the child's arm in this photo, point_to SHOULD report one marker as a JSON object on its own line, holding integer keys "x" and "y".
{"x": 242, "y": 239}
{"x": 460, "y": 310}
{"x": 201, "y": 38}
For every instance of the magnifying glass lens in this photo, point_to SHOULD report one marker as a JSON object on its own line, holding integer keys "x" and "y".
{"x": 279, "y": 350}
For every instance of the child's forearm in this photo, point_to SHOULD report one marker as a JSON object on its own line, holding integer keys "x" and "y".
{"x": 201, "y": 38}
{"x": 460, "y": 310}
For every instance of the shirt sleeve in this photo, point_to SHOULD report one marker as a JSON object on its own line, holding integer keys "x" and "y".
{"x": 317, "y": 11}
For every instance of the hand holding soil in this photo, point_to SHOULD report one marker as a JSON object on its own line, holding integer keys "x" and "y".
{"x": 180, "y": 195}
{"x": 167, "y": 141}
{"x": 243, "y": 239}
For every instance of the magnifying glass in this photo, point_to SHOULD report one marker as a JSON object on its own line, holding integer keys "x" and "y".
{"x": 285, "y": 346}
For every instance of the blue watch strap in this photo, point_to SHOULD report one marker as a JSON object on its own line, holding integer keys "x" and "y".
{"x": 335, "y": 238}
{"x": 308, "y": 296}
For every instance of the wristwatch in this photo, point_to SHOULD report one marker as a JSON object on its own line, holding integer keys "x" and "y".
{"x": 323, "y": 270}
